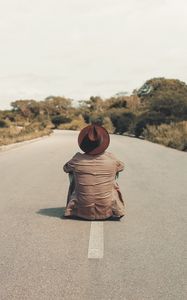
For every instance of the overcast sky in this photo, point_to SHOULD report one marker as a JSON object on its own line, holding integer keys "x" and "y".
{"x": 79, "y": 48}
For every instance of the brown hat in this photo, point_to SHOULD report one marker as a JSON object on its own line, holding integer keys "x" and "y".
{"x": 93, "y": 139}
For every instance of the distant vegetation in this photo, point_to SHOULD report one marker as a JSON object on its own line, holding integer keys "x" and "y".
{"x": 157, "y": 112}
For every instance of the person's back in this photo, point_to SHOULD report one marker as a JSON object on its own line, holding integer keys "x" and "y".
{"x": 95, "y": 194}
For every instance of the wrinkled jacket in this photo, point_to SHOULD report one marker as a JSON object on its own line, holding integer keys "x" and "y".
{"x": 94, "y": 193}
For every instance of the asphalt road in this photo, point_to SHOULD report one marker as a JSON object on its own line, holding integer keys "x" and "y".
{"x": 45, "y": 257}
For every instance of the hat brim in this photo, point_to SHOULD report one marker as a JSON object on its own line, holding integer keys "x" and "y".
{"x": 105, "y": 140}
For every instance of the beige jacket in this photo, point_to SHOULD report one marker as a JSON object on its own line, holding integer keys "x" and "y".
{"x": 94, "y": 193}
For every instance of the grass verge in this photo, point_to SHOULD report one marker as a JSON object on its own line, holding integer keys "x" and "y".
{"x": 14, "y": 134}
{"x": 173, "y": 135}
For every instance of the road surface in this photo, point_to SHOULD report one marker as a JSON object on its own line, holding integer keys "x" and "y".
{"x": 45, "y": 257}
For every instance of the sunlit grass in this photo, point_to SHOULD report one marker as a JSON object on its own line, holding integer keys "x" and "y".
{"x": 173, "y": 135}
{"x": 16, "y": 134}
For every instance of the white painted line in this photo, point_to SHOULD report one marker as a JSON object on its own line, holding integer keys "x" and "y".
{"x": 96, "y": 242}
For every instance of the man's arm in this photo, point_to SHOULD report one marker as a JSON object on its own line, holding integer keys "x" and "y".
{"x": 119, "y": 164}
{"x": 69, "y": 166}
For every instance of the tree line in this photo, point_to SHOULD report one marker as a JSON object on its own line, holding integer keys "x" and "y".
{"x": 154, "y": 111}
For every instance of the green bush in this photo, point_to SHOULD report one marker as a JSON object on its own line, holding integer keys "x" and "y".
{"x": 3, "y": 124}
{"x": 149, "y": 118}
{"x": 60, "y": 119}
{"x": 122, "y": 121}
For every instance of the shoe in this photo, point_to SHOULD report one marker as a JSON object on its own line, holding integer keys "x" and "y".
{"x": 114, "y": 218}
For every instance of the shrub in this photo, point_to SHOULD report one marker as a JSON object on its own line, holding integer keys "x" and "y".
{"x": 3, "y": 124}
{"x": 96, "y": 118}
{"x": 60, "y": 119}
{"x": 76, "y": 124}
{"x": 122, "y": 121}
{"x": 149, "y": 118}
{"x": 173, "y": 135}
{"x": 47, "y": 124}
{"x": 107, "y": 124}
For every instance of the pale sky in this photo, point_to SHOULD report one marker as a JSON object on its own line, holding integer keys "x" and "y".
{"x": 83, "y": 48}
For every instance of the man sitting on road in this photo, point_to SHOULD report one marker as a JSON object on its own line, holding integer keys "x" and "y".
{"x": 94, "y": 193}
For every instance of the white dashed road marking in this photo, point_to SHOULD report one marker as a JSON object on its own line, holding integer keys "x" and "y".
{"x": 96, "y": 242}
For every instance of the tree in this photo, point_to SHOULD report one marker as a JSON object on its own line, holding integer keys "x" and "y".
{"x": 165, "y": 96}
{"x": 119, "y": 102}
{"x": 22, "y": 107}
{"x": 152, "y": 88}
{"x": 56, "y": 105}
{"x": 170, "y": 106}
{"x": 94, "y": 104}
{"x": 60, "y": 119}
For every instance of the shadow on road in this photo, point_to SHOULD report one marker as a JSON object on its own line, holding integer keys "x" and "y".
{"x": 56, "y": 212}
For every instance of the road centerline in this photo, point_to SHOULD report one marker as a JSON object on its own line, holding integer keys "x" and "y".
{"x": 96, "y": 241}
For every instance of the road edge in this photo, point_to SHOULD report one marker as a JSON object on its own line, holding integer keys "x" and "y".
{"x": 19, "y": 144}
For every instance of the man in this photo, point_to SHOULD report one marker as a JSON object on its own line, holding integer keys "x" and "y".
{"x": 94, "y": 193}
